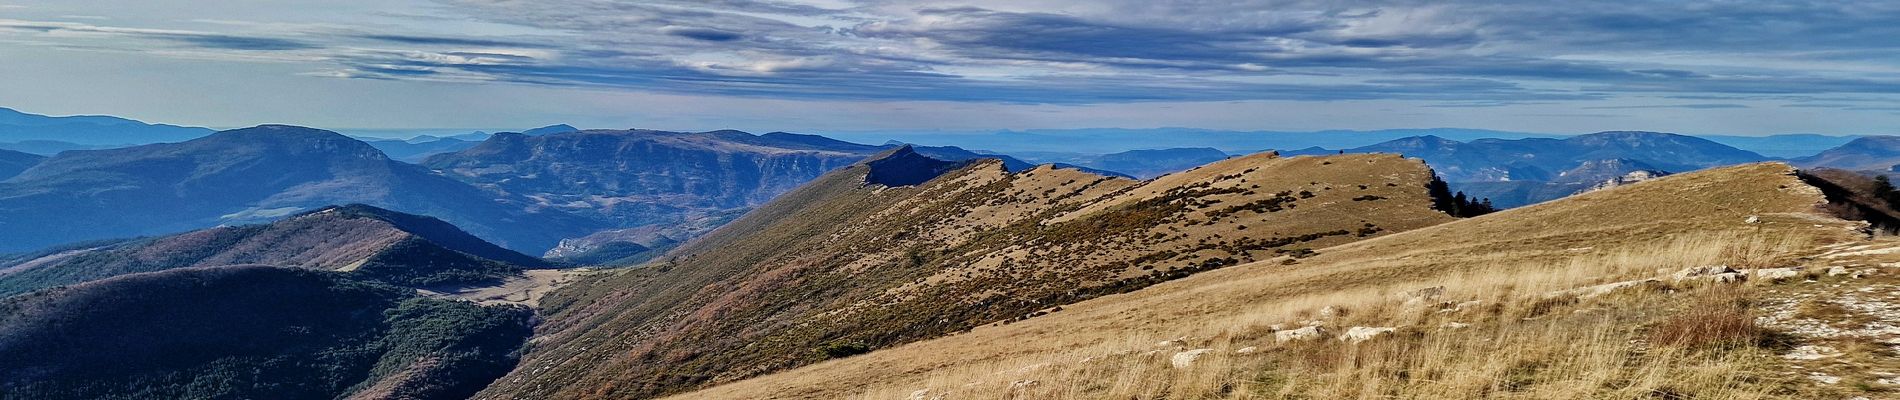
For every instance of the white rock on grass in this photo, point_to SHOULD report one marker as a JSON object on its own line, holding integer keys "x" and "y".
{"x": 1697, "y": 272}
{"x": 1811, "y": 352}
{"x": 1247, "y": 350}
{"x": 1360, "y": 333}
{"x": 1777, "y": 273}
{"x": 1824, "y": 378}
{"x": 1186, "y": 358}
{"x": 1604, "y": 289}
{"x": 1301, "y": 334}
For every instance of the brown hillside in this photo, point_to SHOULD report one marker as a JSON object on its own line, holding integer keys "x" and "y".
{"x": 840, "y": 267}
{"x": 380, "y": 244}
{"x": 1504, "y": 323}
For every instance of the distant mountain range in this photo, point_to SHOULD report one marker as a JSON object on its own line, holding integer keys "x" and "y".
{"x": 412, "y": 151}
{"x": 1515, "y": 172}
{"x": 1142, "y": 164}
{"x": 17, "y": 126}
{"x": 571, "y": 184}
{"x": 1872, "y": 153}
{"x": 1783, "y": 146}
{"x": 1111, "y": 140}
{"x": 246, "y": 176}
{"x": 621, "y": 195}
{"x": 686, "y": 182}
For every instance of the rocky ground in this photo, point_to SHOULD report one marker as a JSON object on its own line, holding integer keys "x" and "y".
{"x": 1842, "y": 318}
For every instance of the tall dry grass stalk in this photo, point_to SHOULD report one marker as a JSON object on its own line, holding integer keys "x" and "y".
{"x": 1661, "y": 341}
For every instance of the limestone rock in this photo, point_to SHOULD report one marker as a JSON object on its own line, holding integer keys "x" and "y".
{"x": 1360, "y": 333}
{"x": 1301, "y": 334}
{"x": 1186, "y": 358}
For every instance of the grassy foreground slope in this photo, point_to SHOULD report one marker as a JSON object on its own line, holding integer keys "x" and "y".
{"x": 249, "y": 332}
{"x": 1569, "y": 299}
{"x": 858, "y": 260}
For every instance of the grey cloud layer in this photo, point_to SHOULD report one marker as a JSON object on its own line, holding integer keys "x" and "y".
{"x": 1469, "y": 54}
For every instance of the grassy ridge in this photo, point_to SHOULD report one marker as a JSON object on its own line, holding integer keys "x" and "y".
{"x": 1509, "y": 279}
{"x": 841, "y": 266}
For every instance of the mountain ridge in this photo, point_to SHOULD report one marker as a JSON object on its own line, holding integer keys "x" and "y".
{"x": 1236, "y": 324}
{"x": 243, "y": 176}
{"x": 18, "y": 126}
{"x": 844, "y": 265}
{"x": 366, "y": 242}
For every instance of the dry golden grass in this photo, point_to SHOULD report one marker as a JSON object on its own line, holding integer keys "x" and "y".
{"x": 839, "y": 267}
{"x": 1524, "y": 340}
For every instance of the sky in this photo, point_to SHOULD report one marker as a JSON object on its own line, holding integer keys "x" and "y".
{"x": 1713, "y": 67}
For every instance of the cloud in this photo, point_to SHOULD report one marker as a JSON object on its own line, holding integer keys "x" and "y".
{"x": 449, "y": 41}
{"x": 1460, "y": 54}
{"x": 708, "y": 34}
{"x": 1703, "y": 106}
{"x": 205, "y": 40}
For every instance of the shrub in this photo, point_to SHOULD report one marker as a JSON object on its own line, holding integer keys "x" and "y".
{"x": 1720, "y": 320}
{"x": 844, "y": 349}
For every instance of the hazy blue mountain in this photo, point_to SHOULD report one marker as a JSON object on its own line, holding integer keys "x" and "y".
{"x": 1144, "y": 164}
{"x": 1541, "y": 159}
{"x": 12, "y": 162}
{"x": 246, "y": 176}
{"x": 413, "y": 150}
{"x": 17, "y": 126}
{"x": 1783, "y": 146}
{"x": 641, "y": 180}
{"x": 1108, "y": 140}
{"x": 475, "y": 136}
{"x": 550, "y": 129}
{"x": 1869, "y": 153}
{"x": 50, "y": 147}
{"x": 1515, "y": 172}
